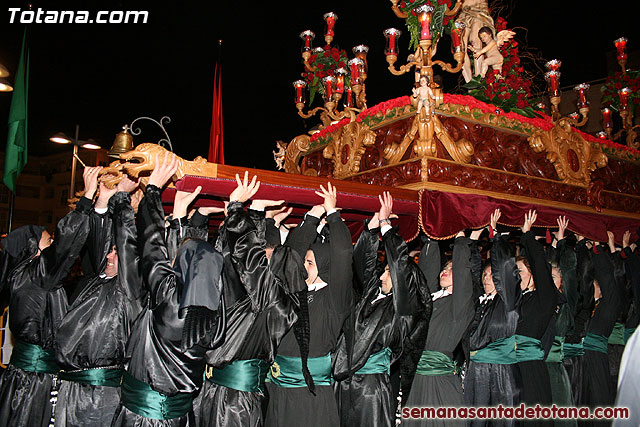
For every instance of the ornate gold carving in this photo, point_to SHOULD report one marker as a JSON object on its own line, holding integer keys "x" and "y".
{"x": 347, "y": 147}
{"x": 573, "y": 157}
{"x": 295, "y": 149}
{"x": 275, "y": 370}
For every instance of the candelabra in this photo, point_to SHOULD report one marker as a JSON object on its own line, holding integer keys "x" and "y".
{"x": 428, "y": 95}
{"x": 337, "y": 82}
{"x": 625, "y": 110}
{"x": 552, "y": 76}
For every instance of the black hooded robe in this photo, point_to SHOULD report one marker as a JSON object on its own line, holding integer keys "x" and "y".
{"x": 35, "y": 311}
{"x": 92, "y": 337}
{"x": 450, "y": 319}
{"x": 328, "y": 308}
{"x": 382, "y": 323}
{"x": 169, "y": 339}
{"x": 255, "y": 324}
{"x": 491, "y": 383}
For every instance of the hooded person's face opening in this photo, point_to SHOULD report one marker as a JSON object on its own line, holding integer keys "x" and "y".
{"x": 311, "y": 267}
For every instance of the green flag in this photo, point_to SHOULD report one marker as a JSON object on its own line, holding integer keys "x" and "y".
{"x": 16, "y": 151}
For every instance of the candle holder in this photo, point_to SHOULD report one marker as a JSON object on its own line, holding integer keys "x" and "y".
{"x": 552, "y": 76}
{"x": 307, "y": 38}
{"x": 621, "y": 47}
{"x": 626, "y": 116}
{"x": 426, "y": 124}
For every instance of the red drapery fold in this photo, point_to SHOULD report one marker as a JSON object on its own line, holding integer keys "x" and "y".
{"x": 216, "y": 145}
{"x": 444, "y": 214}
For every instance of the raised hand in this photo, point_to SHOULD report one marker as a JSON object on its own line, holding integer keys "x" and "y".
{"x": 330, "y": 196}
{"x": 529, "y": 218}
{"x": 374, "y": 222}
{"x": 386, "y": 206}
{"x": 493, "y": 222}
{"x": 90, "y": 177}
{"x": 611, "y": 241}
{"x": 164, "y": 170}
{"x": 127, "y": 184}
{"x": 245, "y": 189}
{"x": 279, "y": 215}
{"x": 182, "y": 201}
{"x": 563, "y": 223}
{"x": 626, "y": 237}
{"x": 104, "y": 195}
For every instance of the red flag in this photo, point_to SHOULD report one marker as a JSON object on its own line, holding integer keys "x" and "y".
{"x": 216, "y": 145}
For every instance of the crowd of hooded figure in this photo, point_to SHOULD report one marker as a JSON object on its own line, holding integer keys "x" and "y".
{"x": 296, "y": 326}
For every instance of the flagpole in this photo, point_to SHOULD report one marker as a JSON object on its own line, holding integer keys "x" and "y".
{"x": 10, "y": 221}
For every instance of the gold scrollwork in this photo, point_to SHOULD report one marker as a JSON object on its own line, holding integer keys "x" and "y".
{"x": 573, "y": 157}
{"x": 347, "y": 147}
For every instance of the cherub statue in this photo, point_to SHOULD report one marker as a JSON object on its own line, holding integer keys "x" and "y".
{"x": 425, "y": 96}
{"x": 474, "y": 15}
{"x": 489, "y": 55}
{"x": 280, "y": 155}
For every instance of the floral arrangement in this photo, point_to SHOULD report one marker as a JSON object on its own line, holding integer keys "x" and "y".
{"x": 509, "y": 90}
{"x": 618, "y": 81}
{"x": 439, "y": 21}
{"x": 326, "y": 61}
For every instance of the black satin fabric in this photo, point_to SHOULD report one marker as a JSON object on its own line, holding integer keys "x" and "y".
{"x": 255, "y": 324}
{"x": 154, "y": 346}
{"x": 95, "y": 330}
{"x": 217, "y": 405}
{"x": 328, "y": 309}
{"x": 383, "y": 323}
{"x": 37, "y": 305}
{"x": 450, "y": 319}
{"x": 125, "y": 417}
{"x": 596, "y": 384}
{"x": 489, "y": 384}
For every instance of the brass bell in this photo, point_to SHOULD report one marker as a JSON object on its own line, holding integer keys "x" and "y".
{"x": 122, "y": 143}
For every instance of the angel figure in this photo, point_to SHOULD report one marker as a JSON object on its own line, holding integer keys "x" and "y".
{"x": 425, "y": 96}
{"x": 280, "y": 155}
{"x": 489, "y": 55}
{"x": 474, "y": 15}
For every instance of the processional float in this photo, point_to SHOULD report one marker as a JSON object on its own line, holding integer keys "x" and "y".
{"x": 449, "y": 159}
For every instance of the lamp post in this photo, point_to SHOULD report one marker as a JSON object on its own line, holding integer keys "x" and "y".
{"x": 61, "y": 138}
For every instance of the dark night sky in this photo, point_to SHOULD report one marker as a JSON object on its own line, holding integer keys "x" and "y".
{"x": 102, "y": 76}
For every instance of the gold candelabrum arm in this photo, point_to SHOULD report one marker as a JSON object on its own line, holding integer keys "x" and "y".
{"x": 305, "y": 57}
{"x": 455, "y": 10}
{"x": 396, "y": 10}
{"x": 556, "y": 117}
{"x": 328, "y": 112}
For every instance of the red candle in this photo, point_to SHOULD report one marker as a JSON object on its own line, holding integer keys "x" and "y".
{"x": 330, "y": 20}
{"x": 424, "y": 16}
{"x": 299, "y": 86}
{"x": 621, "y": 45}
{"x": 392, "y": 35}
{"x": 348, "y": 100}
{"x": 354, "y": 65}
{"x": 601, "y": 135}
{"x": 456, "y": 34}
{"x": 340, "y": 73}
{"x": 582, "y": 89}
{"x": 553, "y": 77}
{"x": 307, "y": 36}
{"x": 624, "y": 98}
{"x": 606, "y": 118}
{"x": 328, "y": 87}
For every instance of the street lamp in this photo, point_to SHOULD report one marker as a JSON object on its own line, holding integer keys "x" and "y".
{"x": 61, "y": 138}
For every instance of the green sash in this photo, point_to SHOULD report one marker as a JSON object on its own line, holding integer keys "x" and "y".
{"x": 33, "y": 358}
{"x": 286, "y": 371}
{"x": 573, "y": 350}
{"x": 434, "y": 363}
{"x": 528, "y": 348}
{"x": 377, "y": 363}
{"x": 556, "y": 354}
{"x": 617, "y": 335}
{"x": 627, "y": 334}
{"x": 139, "y": 397}
{"x": 243, "y": 375}
{"x": 109, "y": 376}
{"x": 595, "y": 342}
{"x": 502, "y": 351}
